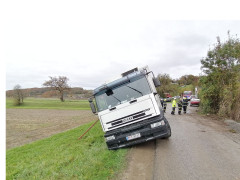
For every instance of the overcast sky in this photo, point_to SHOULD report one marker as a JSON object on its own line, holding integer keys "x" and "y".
{"x": 92, "y": 43}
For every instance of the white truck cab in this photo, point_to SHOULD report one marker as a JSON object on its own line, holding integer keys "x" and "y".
{"x": 129, "y": 109}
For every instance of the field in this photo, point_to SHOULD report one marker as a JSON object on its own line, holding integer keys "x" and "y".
{"x": 39, "y": 118}
{"x": 47, "y": 103}
{"x": 28, "y": 125}
{"x": 36, "y": 151}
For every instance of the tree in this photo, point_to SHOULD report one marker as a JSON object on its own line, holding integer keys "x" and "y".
{"x": 188, "y": 79}
{"x": 58, "y": 83}
{"x": 167, "y": 86}
{"x": 220, "y": 84}
{"x": 18, "y": 95}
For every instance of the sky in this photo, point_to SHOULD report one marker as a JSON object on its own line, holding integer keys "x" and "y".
{"x": 90, "y": 44}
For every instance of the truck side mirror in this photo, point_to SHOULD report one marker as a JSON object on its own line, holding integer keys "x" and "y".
{"x": 156, "y": 82}
{"x": 93, "y": 108}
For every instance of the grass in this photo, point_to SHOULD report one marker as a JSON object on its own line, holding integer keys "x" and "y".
{"x": 63, "y": 156}
{"x": 44, "y": 103}
{"x": 232, "y": 131}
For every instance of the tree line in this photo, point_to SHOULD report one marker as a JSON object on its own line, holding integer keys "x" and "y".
{"x": 175, "y": 87}
{"x": 55, "y": 87}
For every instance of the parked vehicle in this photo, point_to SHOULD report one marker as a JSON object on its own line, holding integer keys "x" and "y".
{"x": 177, "y": 97}
{"x": 194, "y": 100}
{"x": 168, "y": 97}
{"x": 129, "y": 109}
{"x": 187, "y": 94}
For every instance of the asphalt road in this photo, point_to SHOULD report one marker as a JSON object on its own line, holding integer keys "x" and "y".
{"x": 199, "y": 148}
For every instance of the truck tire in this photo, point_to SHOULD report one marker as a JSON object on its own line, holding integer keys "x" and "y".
{"x": 169, "y": 132}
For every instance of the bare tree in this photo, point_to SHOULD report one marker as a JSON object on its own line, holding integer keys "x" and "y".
{"x": 58, "y": 83}
{"x": 17, "y": 95}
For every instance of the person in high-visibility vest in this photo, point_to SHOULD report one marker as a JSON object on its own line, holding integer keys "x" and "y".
{"x": 179, "y": 106}
{"x": 185, "y": 104}
{"x": 164, "y": 104}
{"x": 174, "y": 105}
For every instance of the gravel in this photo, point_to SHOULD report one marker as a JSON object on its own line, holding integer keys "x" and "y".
{"x": 233, "y": 125}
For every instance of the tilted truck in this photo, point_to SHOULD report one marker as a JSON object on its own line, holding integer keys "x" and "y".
{"x": 129, "y": 109}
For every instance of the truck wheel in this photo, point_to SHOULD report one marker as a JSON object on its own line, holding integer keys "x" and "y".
{"x": 169, "y": 133}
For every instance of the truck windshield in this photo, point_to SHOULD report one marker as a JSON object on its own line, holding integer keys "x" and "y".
{"x": 187, "y": 93}
{"x": 123, "y": 93}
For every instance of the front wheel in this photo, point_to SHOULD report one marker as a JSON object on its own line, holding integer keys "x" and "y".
{"x": 169, "y": 132}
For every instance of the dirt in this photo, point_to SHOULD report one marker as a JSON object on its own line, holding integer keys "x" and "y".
{"x": 201, "y": 147}
{"x": 27, "y": 125}
{"x": 139, "y": 162}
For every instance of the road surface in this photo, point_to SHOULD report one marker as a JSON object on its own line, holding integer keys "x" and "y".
{"x": 199, "y": 148}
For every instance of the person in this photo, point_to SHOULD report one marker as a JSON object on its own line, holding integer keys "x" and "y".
{"x": 179, "y": 106}
{"x": 162, "y": 102}
{"x": 185, "y": 104}
{"x": 164, "y": 105}
{"x": 174, "y": 104}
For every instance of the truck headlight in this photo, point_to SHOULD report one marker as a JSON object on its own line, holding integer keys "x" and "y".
{"x": 110, "y": 138}
{"x": 161, "y": 123}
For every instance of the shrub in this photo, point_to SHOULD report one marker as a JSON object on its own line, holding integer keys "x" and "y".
{"x": 220, "y": 92}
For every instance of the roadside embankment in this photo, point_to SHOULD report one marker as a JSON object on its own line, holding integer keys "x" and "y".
{"x": 235, "y": 126}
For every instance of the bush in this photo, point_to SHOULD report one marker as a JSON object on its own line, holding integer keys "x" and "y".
{"x": 16, "y": 102}
{"x": 235, "y": 113}
{"x": 220, "y": 92}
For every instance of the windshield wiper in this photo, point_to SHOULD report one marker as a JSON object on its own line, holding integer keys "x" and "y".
{"x": 109, "y": 92}
{"x": 135, "y": 90}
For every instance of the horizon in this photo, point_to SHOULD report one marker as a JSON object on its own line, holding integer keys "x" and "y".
{"x": 174, "y": 79}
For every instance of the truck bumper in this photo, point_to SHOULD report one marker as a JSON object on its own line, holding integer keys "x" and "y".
{"x": 143, "y": 129}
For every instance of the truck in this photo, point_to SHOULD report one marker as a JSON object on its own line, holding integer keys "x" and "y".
{"x": 187, "y": 94}
{"x": 129, "y": 109}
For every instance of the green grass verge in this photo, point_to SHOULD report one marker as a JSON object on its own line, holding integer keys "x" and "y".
{"x": 63, "y": 156}
{"x": 41, "y": 103}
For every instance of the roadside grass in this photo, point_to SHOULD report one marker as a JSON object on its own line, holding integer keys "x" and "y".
{"x": 63, "y": 156}
{"x": 45, "y": 103}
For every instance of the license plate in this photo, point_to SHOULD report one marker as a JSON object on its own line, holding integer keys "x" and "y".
{"x": 134, "y": 136}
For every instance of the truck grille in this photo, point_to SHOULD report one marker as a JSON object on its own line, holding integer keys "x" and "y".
{"x": 130, "y": 118}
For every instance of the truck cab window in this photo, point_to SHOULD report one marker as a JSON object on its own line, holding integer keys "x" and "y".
{"x": 137, "y": 87}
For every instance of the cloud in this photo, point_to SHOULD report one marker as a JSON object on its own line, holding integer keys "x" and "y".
{"x": 91, "y": 52}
